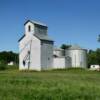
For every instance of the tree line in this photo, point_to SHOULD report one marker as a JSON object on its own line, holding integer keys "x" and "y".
{"x": 8, "y": 56}
{"x": 93, "y": 57}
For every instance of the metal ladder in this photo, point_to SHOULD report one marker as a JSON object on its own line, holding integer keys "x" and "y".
{"x": 27, "y": 56}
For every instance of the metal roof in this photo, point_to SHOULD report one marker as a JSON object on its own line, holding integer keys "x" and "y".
{"x": 21, "y": 38}
{"x": 58, "y": 49}
{"x": 43, "y": 37}
{"x": 35, "y": 22}
{"x": 75, "y": 47}
{"x": 39, "y": 36}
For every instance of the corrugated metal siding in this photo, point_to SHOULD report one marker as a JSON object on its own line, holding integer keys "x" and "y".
{"x": 59, "y": 63}
{"x": 79, "y": 57}
{"x": 46, "y": 55}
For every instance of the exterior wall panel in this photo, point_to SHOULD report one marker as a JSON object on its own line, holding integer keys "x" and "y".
{"x": 35, "y": 57}
{"x": 33, "y": 46}
{"x": 79, "y": 57}
{"x": 23, "y": 49}
{"x": 46, "y": 55}
{"x": 59, "y": 63}
{"x": 31, "y": 27}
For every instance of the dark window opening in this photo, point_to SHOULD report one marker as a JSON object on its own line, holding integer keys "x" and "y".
{"x": 48, "y": 58}
{"x": 28, "y": 52}
{"x": 93, "y": 66}
{"x": 24, "y": 62}
{"x": 55, "y": 56}
{"x": 29, "y": 28}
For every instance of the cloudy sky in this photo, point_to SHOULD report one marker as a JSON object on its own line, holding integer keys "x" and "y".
{"x": 69, "y": 21}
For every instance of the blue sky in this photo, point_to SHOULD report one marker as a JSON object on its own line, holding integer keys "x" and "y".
{"x": 69, "y": 21}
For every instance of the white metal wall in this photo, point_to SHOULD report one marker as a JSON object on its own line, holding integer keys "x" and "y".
{"x": 32, "y": 28}
{"x": 59, "y": 63}
{"x": 58, "y": 52}
{"x": 23, "y": 49}
{"x": 46, "y": 55}
{"x": 79, "y": 57}
{"x": 35, "y": 52}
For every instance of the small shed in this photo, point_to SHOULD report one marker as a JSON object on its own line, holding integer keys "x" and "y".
{"x": 95, "y": 67}
{"x": 11, "y": 63}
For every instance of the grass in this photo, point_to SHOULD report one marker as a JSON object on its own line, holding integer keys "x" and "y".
{"x": 70, "y": 84}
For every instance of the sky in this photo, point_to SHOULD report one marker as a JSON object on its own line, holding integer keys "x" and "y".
{"x": 69, "y": 21}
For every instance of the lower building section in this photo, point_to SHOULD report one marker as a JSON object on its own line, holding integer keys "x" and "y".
{"x": 59, "y": 63}
{"x": 74, "y": 56}
{"x": 45, "y": 58}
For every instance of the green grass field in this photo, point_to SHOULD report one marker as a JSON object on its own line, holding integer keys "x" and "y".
{"x": 72, "y": 84}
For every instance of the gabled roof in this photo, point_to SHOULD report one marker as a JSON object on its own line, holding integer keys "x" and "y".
{"x": 43, "y": 37}
{"x": 35, "y": 22}
{"x": 39, "y": 36}
{"x": 21, "y": 38}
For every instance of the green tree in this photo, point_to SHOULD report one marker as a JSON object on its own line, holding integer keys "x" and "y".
{"x": 64, "y": 46}
{"x": 94, "y": 57}
{"x": 6, "y": 57}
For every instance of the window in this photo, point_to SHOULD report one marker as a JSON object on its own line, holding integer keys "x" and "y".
{"x": 29, "y": 28}
{"x": 24, "y": 62}
{"x": 48, "y": 58}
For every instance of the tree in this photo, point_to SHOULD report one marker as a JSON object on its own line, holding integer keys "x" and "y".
{"x": 64, "y": 46}
{"x": 6, "y": 57}
{"x": 93, "y": 57}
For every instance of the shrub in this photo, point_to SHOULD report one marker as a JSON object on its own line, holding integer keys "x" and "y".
{"x": 2, "y": 66}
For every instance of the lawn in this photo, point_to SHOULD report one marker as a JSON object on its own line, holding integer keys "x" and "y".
{"x": 72, "y": 84}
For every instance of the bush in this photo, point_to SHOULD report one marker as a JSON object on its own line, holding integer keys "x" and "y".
{"x": 2, "y": 66}
{"x": 12, "y": 66}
